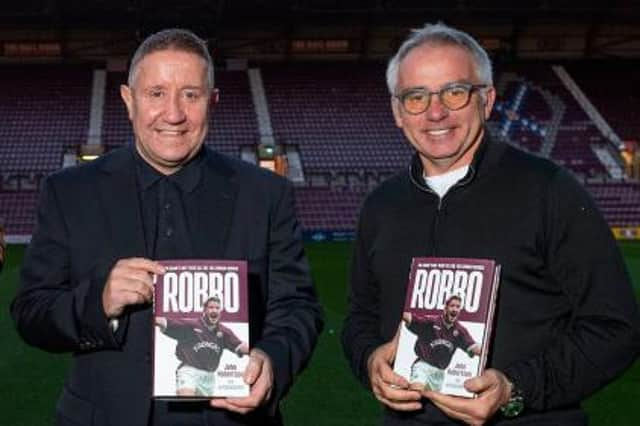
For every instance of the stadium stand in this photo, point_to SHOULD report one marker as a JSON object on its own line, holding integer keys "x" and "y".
{"x": 620, "y": 203}
{"x": 544, "y": 102}
{"x": 329, "y": 209}
{"x": 45, "y": 111}
{"x": 336, "y": 115}
{"x": 541, "y": 110}
{"x": 614, "y": 88}
{"x": 17, "y": 209}
{"x": 116, "y": 128}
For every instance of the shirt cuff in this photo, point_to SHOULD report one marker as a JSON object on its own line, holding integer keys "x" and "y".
{"x": 113, "y": 324}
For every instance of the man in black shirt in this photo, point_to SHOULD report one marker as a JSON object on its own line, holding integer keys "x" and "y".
{"x": 566, "y": 318}
{"x": 86, "y": 283}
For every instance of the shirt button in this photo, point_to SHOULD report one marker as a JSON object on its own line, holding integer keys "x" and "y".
{"x": 169, "y": 232}
{"x": 167, "y": 206}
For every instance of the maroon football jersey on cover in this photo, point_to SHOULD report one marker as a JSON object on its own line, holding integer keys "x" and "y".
{"x": 199, "y": 344}
{"x": 437, "y": 341}
{"x": 433, "y": 281}
{"x": 179, "y": 304}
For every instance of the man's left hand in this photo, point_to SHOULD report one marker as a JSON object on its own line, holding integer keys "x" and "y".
{"x": 258, "y": 375}
{"x": 493, "y": 389}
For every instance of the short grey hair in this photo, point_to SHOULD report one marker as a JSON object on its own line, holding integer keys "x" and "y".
{"x": 440, "y": 34}
{"x": 172, "y": 39}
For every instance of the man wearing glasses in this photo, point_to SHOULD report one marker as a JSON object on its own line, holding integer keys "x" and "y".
{"x": 567, "y": 320}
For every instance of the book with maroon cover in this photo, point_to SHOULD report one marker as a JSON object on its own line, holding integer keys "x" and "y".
{"x": 201, "y": 329}
{"x": 446, "y": 323}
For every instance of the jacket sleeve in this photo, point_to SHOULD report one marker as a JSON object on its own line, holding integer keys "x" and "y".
{"x": 293, "y": 316}
{"x": 602, "y": 336}
{"x": 52, "y": 310}
{"x": 361, "y": 329}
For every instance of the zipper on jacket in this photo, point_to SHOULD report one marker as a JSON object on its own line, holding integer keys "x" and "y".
{"x": 422, "y": 186}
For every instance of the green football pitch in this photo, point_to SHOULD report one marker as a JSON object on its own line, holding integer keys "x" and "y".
{"x": 326, "y": 394}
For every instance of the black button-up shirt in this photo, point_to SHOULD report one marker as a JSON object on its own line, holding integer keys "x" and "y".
{"x": 166, "y": 221}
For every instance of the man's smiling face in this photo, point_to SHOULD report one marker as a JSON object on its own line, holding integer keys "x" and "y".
{"x": 168, "y": 106}
{"x": 444, "y": 139}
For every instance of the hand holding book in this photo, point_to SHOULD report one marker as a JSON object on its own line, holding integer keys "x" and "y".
{"x": 492, "y": 390}
{"x": 389, "y": 387}
{"x": 259, "y": 376}
{"x": 129, "y": 283}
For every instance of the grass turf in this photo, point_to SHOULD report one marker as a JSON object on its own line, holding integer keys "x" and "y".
{"x": 326, "y": 394}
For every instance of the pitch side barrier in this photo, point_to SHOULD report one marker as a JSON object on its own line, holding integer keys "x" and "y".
{"x": 626, "y": 232}
{"x": 324, "y": 235}
{"x": 17, "y": 239}
{"x": 620, "y": 233}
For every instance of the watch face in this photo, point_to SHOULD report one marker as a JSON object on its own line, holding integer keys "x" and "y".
{"x": 513, "y": 407}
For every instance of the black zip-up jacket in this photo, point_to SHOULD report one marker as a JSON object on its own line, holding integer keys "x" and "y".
{"x": 567, "y": 320}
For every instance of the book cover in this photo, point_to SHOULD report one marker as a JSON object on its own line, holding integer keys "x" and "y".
{"x": 201, "y": 329}
{"x": 446, "y": 323}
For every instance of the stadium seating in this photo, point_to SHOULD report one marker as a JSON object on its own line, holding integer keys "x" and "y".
{"x": 614, "y": 88}
{"x": 336, "y": 115}
{"x": 44, "y": 109}
{"x": 560, "y": 121}
{"x": 116, "y": 128}
{"x": 328, "y": 209}
{"x": 620, "y": 202}
{"x": 17, "y": 210}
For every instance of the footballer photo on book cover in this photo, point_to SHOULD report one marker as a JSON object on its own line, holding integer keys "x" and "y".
{"x": 446, "y": 323}
{"x": 201, "y": 329}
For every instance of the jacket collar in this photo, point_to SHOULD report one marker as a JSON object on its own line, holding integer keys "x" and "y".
{"x": 187, "y": 178}
{"x": 213, "y": 204}
{"x": 121, "y": 204}
{"x": 478, "y": 166}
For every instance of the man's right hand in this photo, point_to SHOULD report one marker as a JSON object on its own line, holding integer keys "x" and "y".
{"x": 388, "y": 387}
{"x": 160, "y": 322}
{"x": 129, "y": 283}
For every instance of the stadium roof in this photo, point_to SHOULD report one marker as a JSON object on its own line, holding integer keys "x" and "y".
{"x": 246, "y": 28}
{"x": 140, "y": 14}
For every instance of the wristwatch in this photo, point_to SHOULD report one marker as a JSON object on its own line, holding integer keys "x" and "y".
{"x": 515, "y": 405}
